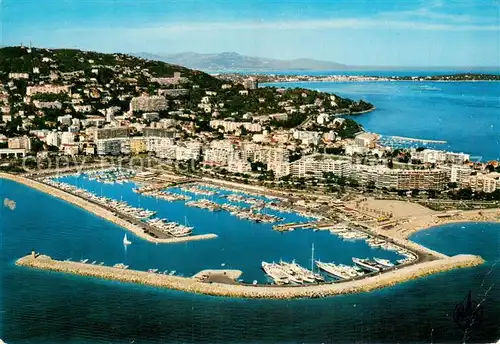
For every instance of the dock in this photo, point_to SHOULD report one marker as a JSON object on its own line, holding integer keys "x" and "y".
{"x": 402, "y": 138}
{"x": 194, "y": 285}
{"x": 135, "y": 226}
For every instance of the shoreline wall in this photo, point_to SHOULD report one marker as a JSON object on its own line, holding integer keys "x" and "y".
{"x": 99, "y": 211}
{"x": 192, "y": 285}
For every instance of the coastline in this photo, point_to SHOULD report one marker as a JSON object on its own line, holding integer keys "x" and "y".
{"x": 193, "y": 285}
{"x": 431, "y": 262}
{"x": 426, "y": 222}
{"x": 99, "y": 211}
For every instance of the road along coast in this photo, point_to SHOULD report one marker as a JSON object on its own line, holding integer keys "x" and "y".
{"x": 99, "y": 211}
{"x": 194, "y": 285}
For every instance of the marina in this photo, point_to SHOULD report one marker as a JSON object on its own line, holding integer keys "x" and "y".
{"x": 275, "y": 267}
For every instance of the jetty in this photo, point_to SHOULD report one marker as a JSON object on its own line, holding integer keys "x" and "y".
{"x": 211, "y": 287}
{"x": 135, "y": 226}
{"x": 410, "y": 139}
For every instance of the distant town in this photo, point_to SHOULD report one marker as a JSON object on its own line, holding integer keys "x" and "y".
{"x": 92, "y": 106}
{"x": 269, "y": 77}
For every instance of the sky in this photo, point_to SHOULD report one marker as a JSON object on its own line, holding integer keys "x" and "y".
{"x": 353, "y": 32}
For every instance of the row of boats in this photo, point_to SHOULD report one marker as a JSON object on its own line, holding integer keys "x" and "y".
{"x": 119, "y": 206}
{"x": 173, "y": 228}
{"x": 240, "y": 212}
{"x": 292, "y": 273}
{"x": 166, "y": 196}
{"x": 125, "y": 267}
{"x": 353, "y": 234}
{"x": 195, "y": 189}
{"x": 247, "y": 200}
{"x": 111, "y": 175}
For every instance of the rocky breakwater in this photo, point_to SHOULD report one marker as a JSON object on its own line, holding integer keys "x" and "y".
{"x": 99, "y": 211}
{"x": 253, "y": 291}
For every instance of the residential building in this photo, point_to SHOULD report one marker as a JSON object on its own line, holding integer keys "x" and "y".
{"x": 42, "y": 89}
{"x": 148, "y": 103}
{"x": 138, "y": 145}
{"x": 459, "y": 173}
{"x": 22, "y": 142}
{"x": 232, "y": 126}
{"x": 112, "y": 141}
{"x": 250, "y": 84}
{"x": 316, "y": 165}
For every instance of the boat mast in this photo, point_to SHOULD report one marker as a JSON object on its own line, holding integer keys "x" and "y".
{"x": 312, "y": 257}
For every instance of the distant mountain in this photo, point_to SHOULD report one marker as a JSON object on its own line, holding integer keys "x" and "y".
{"x": 235, "y": 61}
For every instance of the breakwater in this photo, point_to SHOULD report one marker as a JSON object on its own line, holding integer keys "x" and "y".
{"x": 194, "y": 285}
{"x": 100, "y": 211}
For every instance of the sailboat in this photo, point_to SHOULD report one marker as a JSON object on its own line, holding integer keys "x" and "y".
{"x": 126, "y": 241}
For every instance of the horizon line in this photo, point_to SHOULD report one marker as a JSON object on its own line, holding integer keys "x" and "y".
{"x": 271, "y": 58}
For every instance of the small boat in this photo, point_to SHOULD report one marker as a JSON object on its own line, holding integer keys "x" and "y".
{"x": 172, "y": 273}
{"x": 126, "y": 241}
{"x": 384, "y": 262}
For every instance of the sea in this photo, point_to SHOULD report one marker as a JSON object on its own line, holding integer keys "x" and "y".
{"x": 464, "y": 114}
{"x": 49, "y": 307}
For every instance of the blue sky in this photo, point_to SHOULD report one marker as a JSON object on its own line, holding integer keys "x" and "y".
{"x": 355, "y": 32}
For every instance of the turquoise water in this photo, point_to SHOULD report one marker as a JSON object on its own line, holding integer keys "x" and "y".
{"x": 465, "y": 114}
{"x": 47, "y": 307}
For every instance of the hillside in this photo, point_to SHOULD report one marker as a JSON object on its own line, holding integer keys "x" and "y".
{"x": 20, "y": 60}
{"x": 234, "y": 61}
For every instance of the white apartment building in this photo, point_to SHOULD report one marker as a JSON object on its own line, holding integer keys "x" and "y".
{"x": 482, "y": 182}
{"x": 65, "y": 120}
{"x": 112, "y": 141}
{"x": 220, "y": 152}
{"x": 433, "y": 156}
{"x": 41, "y": 89}
{"x": 366, "y": 140}
{"x": 459, "y": 173}
{"x": 188, "y": 150}
{"x": 53, "y": 139}
{"x": 148, "y": 103}
{"x": 307, "y": 137}
{"x": 316, "y": 165}
{"x": 18, "y": 76}
{"x": 239, "y": 166}
{"x": 22, "y": 142}
{"x": 67, "y": 138}
{"x": 232, "y": 126}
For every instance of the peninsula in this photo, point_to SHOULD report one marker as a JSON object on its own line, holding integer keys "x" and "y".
{"x": 368, "y": 77}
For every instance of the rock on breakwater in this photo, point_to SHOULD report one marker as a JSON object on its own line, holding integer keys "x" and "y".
{"x": 193, "y": 285}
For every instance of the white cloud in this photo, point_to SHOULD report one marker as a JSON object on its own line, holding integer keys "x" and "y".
{"x": 350, "y": 23}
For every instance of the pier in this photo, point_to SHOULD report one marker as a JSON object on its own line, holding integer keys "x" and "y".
{"x": 137, "y": 227}
{"x": 416, "y": 140}
{"x": 211, "y": 287}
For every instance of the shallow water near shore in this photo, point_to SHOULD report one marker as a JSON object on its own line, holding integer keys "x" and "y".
{"x": 46, "y": 307}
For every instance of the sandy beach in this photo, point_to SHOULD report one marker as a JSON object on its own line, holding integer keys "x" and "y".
{"x": 194, "y": 285}
{"x": 408, "y": 217}
{"x": 99, "y": 211}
